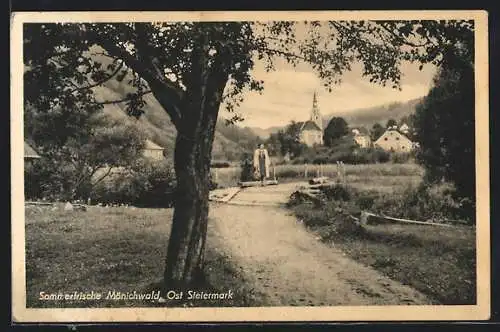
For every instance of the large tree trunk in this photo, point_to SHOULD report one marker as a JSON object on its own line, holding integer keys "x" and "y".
{"x": 184, "y": 262}
{"x": 193, "y": 150}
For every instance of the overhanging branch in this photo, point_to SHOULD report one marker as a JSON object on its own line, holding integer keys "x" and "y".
{"x": 166, "y": 92}
{"x": 108, "y": 102}
{"x": 100, "y": 82}
{"x": 401, "y": 39}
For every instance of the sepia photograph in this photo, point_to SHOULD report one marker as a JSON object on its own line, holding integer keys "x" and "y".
{"x": 250, "y": 166}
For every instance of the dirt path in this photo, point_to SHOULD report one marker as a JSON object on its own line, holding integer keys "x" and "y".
{"x": 277, "y": 255}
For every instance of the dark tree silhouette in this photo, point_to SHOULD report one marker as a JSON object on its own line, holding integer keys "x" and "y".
{"x": 391, "y": 123}
{"x": 336, "y": 128}
{"x": 445, "y": 128}
{"x": 376, "y": 131}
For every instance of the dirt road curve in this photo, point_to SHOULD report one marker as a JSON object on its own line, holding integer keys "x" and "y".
{"x": 286, "y": 263}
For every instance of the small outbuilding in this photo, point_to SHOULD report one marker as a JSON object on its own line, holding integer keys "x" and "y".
{"x": 153, "y": 150}
{"x": 30, "y": 154}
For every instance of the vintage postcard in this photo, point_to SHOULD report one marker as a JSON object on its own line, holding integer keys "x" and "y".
{"x": 250, "y": 166}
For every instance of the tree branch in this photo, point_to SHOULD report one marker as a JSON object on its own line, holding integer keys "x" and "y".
{"x": 100, "y": 82}
{"x": 109, "y": 102}
{"x": 166, "y": 92}
{"x": 285, "y": 53}
{"x": 401, "y": 39}
{"x": 103, "y": 176}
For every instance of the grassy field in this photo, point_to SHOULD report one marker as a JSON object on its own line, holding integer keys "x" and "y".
{"x": 367, "y": 176}
{"x": 106, "y": 249}
{"x": 440, "y": 262}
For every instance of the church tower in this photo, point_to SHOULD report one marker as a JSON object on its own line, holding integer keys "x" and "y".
{"x": 315, "y": 114}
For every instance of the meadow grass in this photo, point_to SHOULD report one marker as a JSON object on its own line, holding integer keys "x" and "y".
{"x": 440, "y": 262}
{"x": 106, "y": 249}
{"x": 386, "y": 174}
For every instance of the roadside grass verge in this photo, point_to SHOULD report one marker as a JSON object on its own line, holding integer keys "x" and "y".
{"x": 440, "y": 262}
{"x": 106, "y": 249}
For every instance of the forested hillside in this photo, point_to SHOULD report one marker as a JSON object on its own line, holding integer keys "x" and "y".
{"x": 230, "y": 140}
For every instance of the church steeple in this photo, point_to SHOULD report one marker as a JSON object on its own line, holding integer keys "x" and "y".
{"x": 315, "y": 113}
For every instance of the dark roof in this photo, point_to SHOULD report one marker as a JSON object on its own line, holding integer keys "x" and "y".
{"x": 309, "y": 125}
{"x": 29, "y": 152}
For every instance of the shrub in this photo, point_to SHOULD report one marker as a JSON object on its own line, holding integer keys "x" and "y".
{"x": 425, "y": 202}
{"x": 246, "y": 168}
{"x": 337, "y": 192}
{"x": 49, "y": 178}
{"x": 401, "y": 158}
{"x": 365, "y": 200}
{"x": 380, "y": 155}
{"x": 147, "y": 184}
{"x": 435, "y": 203}
{"x": 346, "y": 153}
{"x": 289, "y": 173}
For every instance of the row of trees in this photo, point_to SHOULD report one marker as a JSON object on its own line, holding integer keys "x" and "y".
{"x": 192, "y": 68}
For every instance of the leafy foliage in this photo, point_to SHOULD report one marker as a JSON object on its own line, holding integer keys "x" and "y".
{"x": 286, "y": 141}
{"x": 346, "y": 151}
{"x": 445, "y": 128}
{"x": 391, "y": 123}
{"x": 71, "y": 170}
{"x": 376, "y": 131}
{"x": 336, "y": 128}
{"x": 62, "y": 69}
{"x": 147, "y": 183}
{"x": 247, "y": 173}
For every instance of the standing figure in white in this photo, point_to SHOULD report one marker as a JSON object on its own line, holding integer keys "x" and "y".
{"x": 261, "y": 163}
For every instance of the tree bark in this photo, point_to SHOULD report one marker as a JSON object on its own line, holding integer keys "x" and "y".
{"x": 185, "y": 252}
{"x": 193, "y": 151}
{"x": 194, "y": 113}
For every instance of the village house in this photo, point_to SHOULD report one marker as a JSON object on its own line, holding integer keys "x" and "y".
{"x": 404, "y": 128}
{"x": 363, "y": 140}
{"x": 393, "y": 141}
{"x": 311, "y": 131}
{"x": 153, "y": 151}
{"x": 29, "y": 155}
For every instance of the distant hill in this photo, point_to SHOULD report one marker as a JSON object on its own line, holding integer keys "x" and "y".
{"x": 367, "y": 117}
{"x": 264, "y": 133}
{"x": 229, "y": 144}
{"x": 230, "y": 141}
{"x": 362, "y": 117}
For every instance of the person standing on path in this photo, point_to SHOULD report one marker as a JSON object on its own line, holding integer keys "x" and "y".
{"x": 261, "y": 163}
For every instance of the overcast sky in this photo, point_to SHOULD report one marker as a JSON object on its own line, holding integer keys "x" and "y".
{"x": 288, "y": 93}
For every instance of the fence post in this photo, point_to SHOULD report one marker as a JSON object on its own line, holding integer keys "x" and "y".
{"x": 305, "y": 171}
{"x": 343, "y": 173}
{"x": 216, "y": 176}
{"x": 274, "y": 172}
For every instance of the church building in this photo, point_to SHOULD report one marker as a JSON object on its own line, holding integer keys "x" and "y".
{"x": 311, "y": 131}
